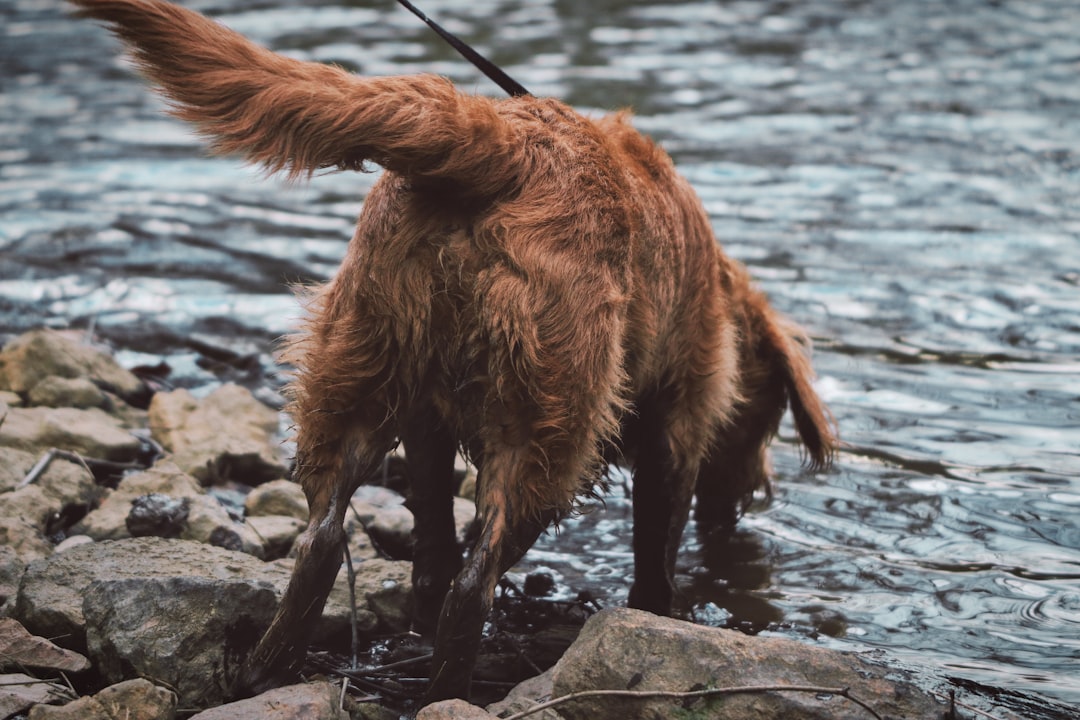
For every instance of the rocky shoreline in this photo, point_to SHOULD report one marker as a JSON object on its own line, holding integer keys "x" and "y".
{"x": 144, "y": 544}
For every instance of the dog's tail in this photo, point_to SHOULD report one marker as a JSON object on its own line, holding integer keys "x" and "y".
{"x": 299, "y": 117}
{"x": 813, "y": 421}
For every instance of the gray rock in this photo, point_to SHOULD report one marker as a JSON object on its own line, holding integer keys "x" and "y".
{"x": 360, "y": 545}
{"x": 63, "y": 484}
{"x": 158, "y": 515}
{"x": 385, "y": 587}
{"x": 621, "y": 649}
{"x": 308, "y": 701}
{"x": 277, "y": 497}
{"x": 50, "y": 596}
{"x": 24, "y": 515}
{"x": 228, "y": 435}
{"x": 69, "y": 483}
{"x": 278, "y": 533}
{"x": 453, "y": 710}
{"x": 14, "y": 464}
{"x": 18, "y": 692}
{"x": 90, "y": 432}
{"x": 20, "y": 650}
{"x": 204, "y": 519}
{"x": 24, "y": 539}
{"x": 11, "y": 571}
{"x": 390, "y": 524}
{"x": 39, "y": 354}
{"x": 78, "y": 392}
{"x": 525, "y": 695}
{"x": 30, "y": 503}
{"x": 130, "y": 700}
{"x": 188, "y": 633}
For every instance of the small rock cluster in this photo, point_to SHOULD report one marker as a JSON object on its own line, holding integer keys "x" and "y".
{"x": 173, "y": 573}
{"x": 153, "y": 580}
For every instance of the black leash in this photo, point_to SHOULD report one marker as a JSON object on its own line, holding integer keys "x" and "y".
{"x": 493, "y": 71}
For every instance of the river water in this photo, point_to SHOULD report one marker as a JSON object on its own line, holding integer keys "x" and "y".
{"x": 901, "y": 177}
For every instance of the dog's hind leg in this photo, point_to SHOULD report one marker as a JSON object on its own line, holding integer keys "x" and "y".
{"x": 280, "y": 654}
{"x": 343, "y": 399}
{"x": 429, "y": 448}
{"x": 504, "y": 538}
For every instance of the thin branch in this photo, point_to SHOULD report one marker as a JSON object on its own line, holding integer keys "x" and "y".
{"x": 53, "y": 683}
{"x": 39, "y": 468}
{"x": 87, "y": 463}
{"x": 353, "y": 624}
{"x": 380, "y": 669}
{"x": 344, "y": 691}
{"x": 713, "y": 692}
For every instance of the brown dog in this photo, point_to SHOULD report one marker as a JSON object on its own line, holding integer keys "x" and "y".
{"x": 536, "y": 287}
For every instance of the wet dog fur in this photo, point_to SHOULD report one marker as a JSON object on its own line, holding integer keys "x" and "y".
{"x": 534, "y": 287}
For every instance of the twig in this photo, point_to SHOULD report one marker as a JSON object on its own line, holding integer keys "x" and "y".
{"x": 39, "y": 468}
{"x": 351, "y": 572}
{"x": 344, "y": 691}
{"x": 70, "y": 687}
{"x": 53, "y": 453}
{"x": 675, "y": 695}
{"x": 395, "y": 665}
{"x": 53, "y": 683}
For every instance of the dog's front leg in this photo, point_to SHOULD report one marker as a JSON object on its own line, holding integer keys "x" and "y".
{"x": 504, "y": 537}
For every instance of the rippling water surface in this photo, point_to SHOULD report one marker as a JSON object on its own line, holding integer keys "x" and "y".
{"x": 902, "y": 177}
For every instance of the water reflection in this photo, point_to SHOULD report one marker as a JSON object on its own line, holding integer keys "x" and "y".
{"x": 901, "y": 177}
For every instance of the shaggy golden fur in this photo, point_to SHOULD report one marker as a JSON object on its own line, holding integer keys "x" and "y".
{"x": 536, "y": 287}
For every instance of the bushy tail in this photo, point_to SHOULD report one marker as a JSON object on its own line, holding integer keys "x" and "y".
{"x": 298, "y": 117}
{"x": 813, "y": 421}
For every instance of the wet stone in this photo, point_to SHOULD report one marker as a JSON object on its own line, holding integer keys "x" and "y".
{"x": 158, "y": 515}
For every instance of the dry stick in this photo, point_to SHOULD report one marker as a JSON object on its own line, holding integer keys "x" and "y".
{"x": 70, "y": 687}
{"x": 380, "y": 669}
{"x": 674, "y": 695}
{"x": 39, "y": 467}
{"x": 344, "y": 690}
{"x": 352, "y": 606}
{"x": 43, "y": 464}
